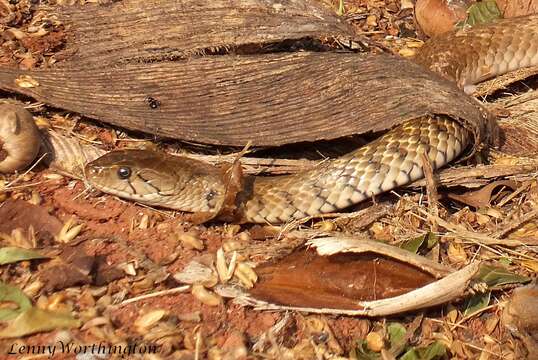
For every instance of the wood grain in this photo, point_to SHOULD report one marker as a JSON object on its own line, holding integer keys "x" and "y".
{"x": 270, "y": 99}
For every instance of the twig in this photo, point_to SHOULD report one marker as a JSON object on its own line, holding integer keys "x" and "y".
{"x": 24, "y": 173}
{"x": 176, "y": 290}
{"x": 473, "y": 314}
{"x": 431, "y": 190}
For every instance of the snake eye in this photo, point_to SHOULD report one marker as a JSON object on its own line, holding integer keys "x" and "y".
{"x": 124, "y": 172}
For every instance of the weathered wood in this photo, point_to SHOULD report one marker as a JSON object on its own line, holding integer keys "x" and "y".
{"x": 150, "y": 30}
{"x": 270, "y": 99}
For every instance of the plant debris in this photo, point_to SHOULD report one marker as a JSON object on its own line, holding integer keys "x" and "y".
{"x": 121, "y": 274}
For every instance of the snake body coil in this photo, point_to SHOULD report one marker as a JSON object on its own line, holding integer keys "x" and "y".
{"x": 189, "y": 185}
{"x": 395, "y": 159}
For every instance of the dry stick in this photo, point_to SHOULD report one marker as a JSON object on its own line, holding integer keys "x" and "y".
{"x": 478, "y": 238}
{"x": 473, "y": 314}
{"x": 431, "y": 190}
{"x": 513, "y": 194}
{"x": 176, "y": 290}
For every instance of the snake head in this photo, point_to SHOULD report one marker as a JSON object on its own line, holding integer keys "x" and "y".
{"x": 133, "y": 174}
{"x": 156, "y": 178}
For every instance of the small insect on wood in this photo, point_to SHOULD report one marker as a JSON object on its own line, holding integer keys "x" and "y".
{"x": 152, "y": 102}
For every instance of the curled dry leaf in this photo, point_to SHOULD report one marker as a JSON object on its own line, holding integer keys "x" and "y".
{"x": 521, "y": 315}
{"x": 336, "y": 281}
{"x": 482, "y": 197}
{"x": 345, "y": 277}
{"x": 75, "y": 267}
{"x": 436, "y": 17}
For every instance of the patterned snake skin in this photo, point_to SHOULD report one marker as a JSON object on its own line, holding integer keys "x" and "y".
{"x": 483, "y": 52}
{"x": 466, "y": 56}
{"x": 190, "y": 185}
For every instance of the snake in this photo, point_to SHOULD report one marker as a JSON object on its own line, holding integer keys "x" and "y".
{"x": 465, "y": 56}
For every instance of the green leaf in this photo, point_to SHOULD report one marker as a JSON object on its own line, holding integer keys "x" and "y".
{"x": 12, "y": 295}
{"x": 496, "y": 276}
{"x": 341, "y": 10}
{"x": 9, "y": 255}
{"x": 482, "y": 12}
{"x": 476, "y": 302}
{"x": 396, "y": 333}
{"x": 414, "y": 245}
{"x": 363, "y": 353}
{"x": 435, "y": 350}
{"x": 35, "y": 320}
{"x": 433, "y": 239}
{"x": 428, "y": 241}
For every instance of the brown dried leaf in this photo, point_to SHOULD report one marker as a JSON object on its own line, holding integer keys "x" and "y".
{"x": 436, "y": 17}
{"x": 75, "y": 267}
{"x": 21, "y": 214}
{"x": 482, "y": 197}
{"x": 521, "y": 315}
{"x": 336, "y": 281}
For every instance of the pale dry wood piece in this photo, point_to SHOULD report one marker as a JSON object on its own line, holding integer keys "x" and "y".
{"x": 337, "y": 243}
{"x": 476, "y": 176}
{"x": 125, "y": 31}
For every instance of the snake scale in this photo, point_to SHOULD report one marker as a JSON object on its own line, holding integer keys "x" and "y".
{"x": 465, "y": 57}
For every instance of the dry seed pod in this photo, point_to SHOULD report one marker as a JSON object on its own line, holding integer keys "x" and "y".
{"x": 374, "y": 341}
{"x": 19, "y": 138}
{"x": 144, "y": 222}
{"x": 224, "y": 270}
{"x": 191, "y": 240}
{"x": 246, "y": 275}
{"x": 206, "y": 296}
{"x": 69, "y": 231}
{"x": 146, "y": 321}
